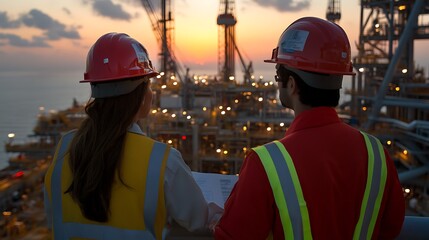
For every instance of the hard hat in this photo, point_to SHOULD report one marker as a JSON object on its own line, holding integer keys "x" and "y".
{"x": 116, "y": 65}
{"x": 117, "y": 56}
{"x": 314, "y": 45}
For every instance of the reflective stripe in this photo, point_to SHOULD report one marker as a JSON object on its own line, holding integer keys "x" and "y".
{"x": 278, "y": 193}
{"x": 376, "y": 180}
{"x": 288, "y": 193}
{"x": 58, "y": 228}
{"x": 286, "y": 189}
{"x": 152, "y": 185}
{"x": 71, "y": 229}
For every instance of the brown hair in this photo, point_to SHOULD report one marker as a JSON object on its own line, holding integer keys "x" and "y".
{"x": 96, "y": 150}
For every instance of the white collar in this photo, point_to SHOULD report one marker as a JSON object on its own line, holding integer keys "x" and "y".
{"x": 135, "y": 128}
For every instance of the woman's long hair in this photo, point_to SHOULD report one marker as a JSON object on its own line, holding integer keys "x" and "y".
{"x": 96, "y": 150}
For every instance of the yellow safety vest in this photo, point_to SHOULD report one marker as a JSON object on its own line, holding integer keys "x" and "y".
{"x": 290, "y": 201}
{"x": 136, "y": 212}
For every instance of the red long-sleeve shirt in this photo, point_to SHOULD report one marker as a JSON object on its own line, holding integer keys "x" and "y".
{"x": 331, "y": 160}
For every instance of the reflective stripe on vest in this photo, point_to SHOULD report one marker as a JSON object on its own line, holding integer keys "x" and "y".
{"x": 288, "y": 193}
{"x": 375, "y": 183}
{"x": 287, "y": 190}
{"x": 67, "y": 230}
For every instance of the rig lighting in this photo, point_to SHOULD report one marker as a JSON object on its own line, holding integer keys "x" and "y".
{"x": 260, "y": 99}
{"x": 282, "y": 124}
{"x": 164, "y": 86}
{"x": 361, "y": 69}
{"x": 7, "y": 213}
{"x": 161, "y": 73}
{"x": 228, "y": 108}
{"x": 188, "y": 117}
{"x": 169, "y": 141}
{"x": 389, "y": 142}
{"x": 268, "y": 129}
{"x": 225, "y": 152}
{"x": 223, "y": 112}
{"x": 404, "y": 70}
{"x": 174, "y": 83}
{"x": 405, "y": 152}
{"x": 204, "y": 109}
{"x": 164, "y": 110}
{"x": 173, "y": 115}
{"x": 11, "y": 135}
{"x": 231, "y": 78}
{"x": 218, "y": 150}
{"x": 154, "y": 111}
{"x": 236, "y": 100}
{"x": 244, "y": 128}
{"x": 184, "y": 112}
{"x": 402, "y": 8}
{"x": 364, "y": 108}
{"x": 407, "y": 190}
{"x": 397, "y": 89}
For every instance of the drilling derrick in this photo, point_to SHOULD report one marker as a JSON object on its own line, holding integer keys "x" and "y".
{"x": 333, "y": 14}
{"x": 226, "y": 21}
{"x": 163, "y": 27}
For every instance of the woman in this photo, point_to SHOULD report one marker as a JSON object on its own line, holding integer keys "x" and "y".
{"x": 108, "y": 180}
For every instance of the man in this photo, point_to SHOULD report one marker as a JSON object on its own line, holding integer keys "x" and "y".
{"x": 324, "y": 179}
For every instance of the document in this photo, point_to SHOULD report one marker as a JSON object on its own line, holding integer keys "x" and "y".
{"x": 215, "y": 187}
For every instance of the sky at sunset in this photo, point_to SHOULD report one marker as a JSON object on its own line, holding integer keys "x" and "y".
{"x": 54, "y": 36}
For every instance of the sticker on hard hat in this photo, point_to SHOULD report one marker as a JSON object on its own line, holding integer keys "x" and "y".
{"x": 294, "y": 40}
{"x": 140, "y": 53}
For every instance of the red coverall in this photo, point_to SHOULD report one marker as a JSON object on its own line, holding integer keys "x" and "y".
{"x": 331, "y": 160}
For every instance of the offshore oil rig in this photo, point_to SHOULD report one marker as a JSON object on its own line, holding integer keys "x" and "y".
{"x": 214, "y": 120}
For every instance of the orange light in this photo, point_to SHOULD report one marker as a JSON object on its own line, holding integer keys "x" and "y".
{"x": 402, "y": 8}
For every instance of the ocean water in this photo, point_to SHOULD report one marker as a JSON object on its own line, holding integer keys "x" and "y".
{"x": 23, "y": 93}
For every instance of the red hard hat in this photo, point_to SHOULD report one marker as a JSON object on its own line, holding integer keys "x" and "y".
{"x": 315, "y": 45}
{"x": 117, "y": 56}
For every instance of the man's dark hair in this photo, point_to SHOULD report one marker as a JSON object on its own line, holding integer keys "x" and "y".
{"x": 314, "y": 97}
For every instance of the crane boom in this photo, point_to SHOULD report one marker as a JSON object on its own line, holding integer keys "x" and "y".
{"x": 169, "y": 63}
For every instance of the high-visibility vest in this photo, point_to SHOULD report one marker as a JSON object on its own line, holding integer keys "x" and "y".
{"x": 137, "y": 211}
{"x": 290, "y": 201}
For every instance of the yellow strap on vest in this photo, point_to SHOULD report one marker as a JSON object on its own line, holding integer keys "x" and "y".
{"x": 287, "y": 190}
{"x": 374, "y": 190}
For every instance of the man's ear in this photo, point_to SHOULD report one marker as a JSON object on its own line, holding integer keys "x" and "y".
{"x": 292, "y": 85}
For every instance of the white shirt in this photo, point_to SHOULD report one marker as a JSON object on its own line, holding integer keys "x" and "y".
{"x": 184, "y": 200}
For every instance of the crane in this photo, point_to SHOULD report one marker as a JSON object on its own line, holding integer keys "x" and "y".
{"x": 162, "y": 30}
{"x": 333, "y": 13}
